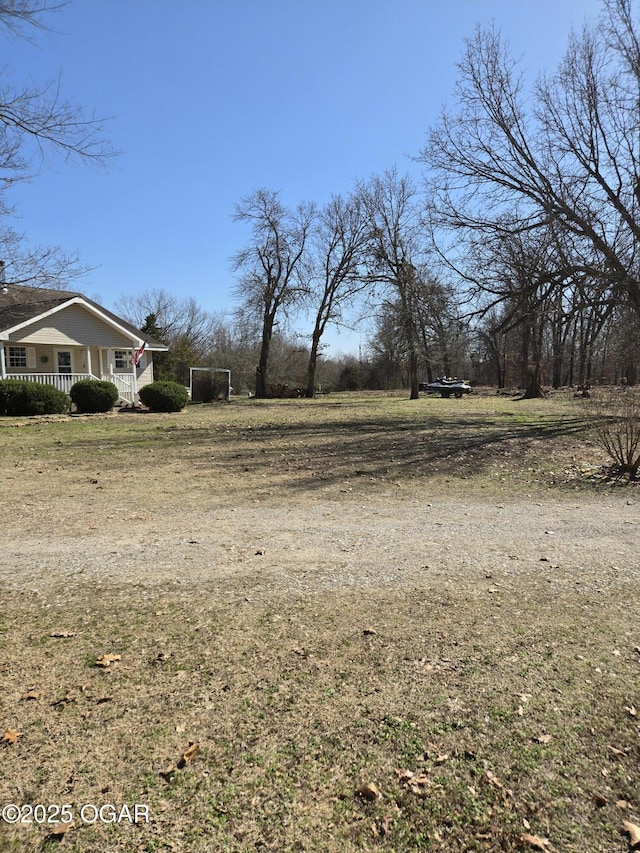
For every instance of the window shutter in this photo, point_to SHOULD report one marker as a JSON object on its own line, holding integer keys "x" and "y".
{"x": 31, "y": 356}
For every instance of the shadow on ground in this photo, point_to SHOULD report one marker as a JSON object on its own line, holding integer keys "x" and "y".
{"x": 307, "y": 453}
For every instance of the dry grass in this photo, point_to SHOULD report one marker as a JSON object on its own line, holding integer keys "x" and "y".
{"x": 488, "y": 706}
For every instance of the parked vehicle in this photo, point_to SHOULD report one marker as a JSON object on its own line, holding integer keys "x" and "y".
{"x": 445, "y": 386}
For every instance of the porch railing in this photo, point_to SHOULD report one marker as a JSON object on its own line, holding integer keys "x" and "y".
{"x": 64, "y": 381}
{"x": 125, "y": 385}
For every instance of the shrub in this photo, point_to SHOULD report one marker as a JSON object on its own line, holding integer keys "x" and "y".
{"x": 31, "y": 398}
{"x": 94, "y": 395}
{"x": 616, "y": 428}
{"x": 164, "y": 396}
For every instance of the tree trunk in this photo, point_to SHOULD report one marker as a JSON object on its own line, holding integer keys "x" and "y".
{"x": 263, "y": 364}
{"x": 413, "y": 374}
{"x": 313, "y": 364}
{"x": 525, "y": 370}
{"x": 446, "y": 360}
{"x": 534, "y": 389}
{"x": 426, "y": 354}
{"x": 557, "y": 367}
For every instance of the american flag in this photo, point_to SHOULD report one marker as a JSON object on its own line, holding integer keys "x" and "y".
{"x": 138, "y": 355}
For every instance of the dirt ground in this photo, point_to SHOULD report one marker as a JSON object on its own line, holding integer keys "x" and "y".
{"x": 276, "y": 541}
{"x": 386, "y": 542}
{"x": 275, "y": 504}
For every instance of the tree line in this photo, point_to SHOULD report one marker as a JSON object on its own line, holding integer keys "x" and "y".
{"x": 361, "y": 255}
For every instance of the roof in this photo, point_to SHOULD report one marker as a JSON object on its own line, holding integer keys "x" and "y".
{"x": 20, "y": 303}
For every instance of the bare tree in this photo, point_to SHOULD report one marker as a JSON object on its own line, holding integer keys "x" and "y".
{"x": 272, "y": 269}
{"x": 177, "y": 317}
{"x": 38, "y": 266}
{"x": 17, "y": 16}
{"x": 189, "y": 330}
{"x": 441, "y": 336}
{"x": 36, "y": 119}
{"x": 338, "y": 248}
{"x": 396, "y": 247}
{"x": 566, "y": 152}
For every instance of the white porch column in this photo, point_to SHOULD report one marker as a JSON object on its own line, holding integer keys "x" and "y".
{"x": 87, "y": 355}
{"x": 110, "y": 360}
{"x": 101, "y": 364}
{"x": 134, "y": 373}
{"x": 3, "y": 367}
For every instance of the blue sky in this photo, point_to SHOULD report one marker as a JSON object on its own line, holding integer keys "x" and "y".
{"x": 210, "y": 99}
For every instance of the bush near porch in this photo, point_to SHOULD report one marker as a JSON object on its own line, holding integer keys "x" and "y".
{"x": 164, "y": 396}
{"x": 94, "y": 395}
{"x": 31, "y": 398}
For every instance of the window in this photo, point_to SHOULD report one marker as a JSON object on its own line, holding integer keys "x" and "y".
{"x": 122, "y": 359}
{"x": 17, "y": 357}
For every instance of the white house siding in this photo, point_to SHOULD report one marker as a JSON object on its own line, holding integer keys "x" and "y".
{"x": 145, "y": 373}
{"x": 71, "y": 326}
{"x": 35, "y": 364}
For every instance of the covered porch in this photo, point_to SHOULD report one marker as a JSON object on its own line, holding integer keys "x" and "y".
{"x": 64, "y": 381}
{"x": 63, "y": 367}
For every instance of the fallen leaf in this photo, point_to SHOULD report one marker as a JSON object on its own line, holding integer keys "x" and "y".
{"x": 168, "y": 773}
{"x": 506, "y": 792}
{"x": 32, "y": 694}
{"x": 494, "y": 779}
{"x": 369, "y": 632}
{"x": 633, "y": 831}
{"x": 600, "y": 800}
{"x": 11, "y": 736}
{"x": 187, "y": 756}
{"x": 420, "y": 784}
{"x": 535, "y": 841}
{"x": 62, "y": 635}
{"x": 405, "y": 775}
{"x": 61, "y": 703}
{"x": 106, "y": 660}
{"x": 544, "y": 738}
{"x": 370, "y": 792}
{"x": 191, "y": 752}
{"x": 60, "y": 830}
{"x": 616, "y": 753}
{"x": 385, "y": 826}
{"x": 632, "y": 711}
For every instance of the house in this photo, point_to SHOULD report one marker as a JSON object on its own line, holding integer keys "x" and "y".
{"x": 59, "y": 337}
